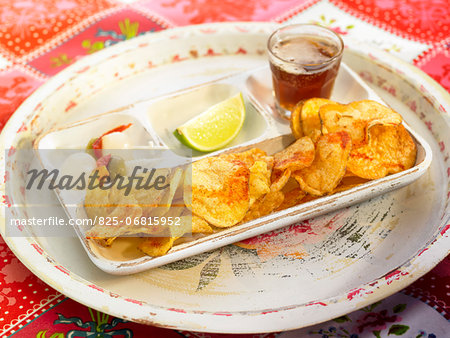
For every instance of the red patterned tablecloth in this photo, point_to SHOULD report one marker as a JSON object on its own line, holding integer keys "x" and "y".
{"x": 39, "y": 38}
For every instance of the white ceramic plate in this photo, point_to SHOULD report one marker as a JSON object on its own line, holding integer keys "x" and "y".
{"x": 153, "y": 120}
{"x": 296, "y": 276}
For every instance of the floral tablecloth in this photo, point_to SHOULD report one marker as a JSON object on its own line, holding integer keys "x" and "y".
{"x": 39, "y": 38}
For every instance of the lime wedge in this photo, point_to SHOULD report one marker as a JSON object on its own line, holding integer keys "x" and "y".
{"x": 214, "y": 128}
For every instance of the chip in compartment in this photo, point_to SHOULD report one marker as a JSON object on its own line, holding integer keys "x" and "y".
{"x": 349, "y": 182}
{"x": 376, "y": 113}
{"x": 199, "y": 225}
{"x": 249, "y": 157}
{"x": 272, "y": 200}
{"x": 264, "y": 206}
{"x": 164, "y": 205}
{"x": 156, "y": 246}
{"x": 292, "y": 198}
{"x": 390, "y": 149}
{"x": 220, "y": 190}
{"x": 293, "y": 194}
{"x": 259, "y": 181}
{"x": 309, "y": 116}
{"x": 298, "y": 155}
{"x": 295, "y": 122}
{"x": 356, "y": 119}
{"x": 329, "y": 165}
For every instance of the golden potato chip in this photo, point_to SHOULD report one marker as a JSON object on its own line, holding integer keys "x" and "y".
{"x": 264, "y": 206}
{"x": 259, "y": 181}
{"x": 199, "y": 225}
{"x": 156, "y": 246}
{"x": 220, "y": 190}
{"x": 348, "y": 173}
{"x": 390, "y": 150}
{"x": 291, "y": 198}
{"x": 293, "y": 194}
{"x": 356, "y": 119}
{"x": 308, "y": 198}
{"x": 328, "y": 168}
{"x": 248, "y": 157}
{"x": 272, "y": 200}
{"x": 298, "y": 155}
{"x": 309, "y": 117}
{"x": 295, "y": 122}
{"x": 349, "y": 182}
{"x": 279, "y": 179}
{"x": 376, "y": 113}
{"x": 338, "y": 117}
{"x": 291, "y": 184}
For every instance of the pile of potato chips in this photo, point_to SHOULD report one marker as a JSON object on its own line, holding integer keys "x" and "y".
{"x": 338, "y": 147}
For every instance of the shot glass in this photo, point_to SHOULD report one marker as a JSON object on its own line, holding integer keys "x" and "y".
{"x": 304, "y": 60}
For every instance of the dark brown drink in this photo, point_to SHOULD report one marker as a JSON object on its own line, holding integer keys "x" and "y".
{"x": 304, "y": 65}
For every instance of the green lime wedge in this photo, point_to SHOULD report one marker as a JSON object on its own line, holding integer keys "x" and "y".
{"x": 215, "y": 127}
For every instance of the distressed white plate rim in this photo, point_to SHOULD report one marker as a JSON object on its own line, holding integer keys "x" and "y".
{"x": 261, "y": 319}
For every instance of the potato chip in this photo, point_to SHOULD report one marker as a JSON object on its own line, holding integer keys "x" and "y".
{"x": 309, "y": 198}
{"x": 259, "y": 175}
{"x": 309, "y": 117}
{"x": 356, "y": 119}
{"x": 328, "y": 168}
{"x": 220, "y": 190}
{"x": 348, "y": 173}
{"x": 96, "y": 203}
{"x": 338, "y": 117}
{"x": 295, "y": 122}
{"x": 279, "y": 179}
{"x": 272, "y": 200}
{"x": 264, "y": 206}
{"x": 291, "y": 184}
{"x": 199, "y": 225}
{"x": 150, "y": 199}
{"x": 111, "y": 226}
{"x": 249, "y": 157}
{"x": 156, "y": 246}
{"x": 166, "y": 201}
{"x": 259, "y": 181}
{"x": 376, "y": 113}
{"x": 293, "y": 194}
{"x": 298, "y": 155}
{"x": 349, "y": 182}
{"x": 291, "y": 198}
{"x": 390, "y": 150}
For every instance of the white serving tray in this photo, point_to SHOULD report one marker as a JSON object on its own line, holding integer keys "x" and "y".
{"x": 153, "y": 123}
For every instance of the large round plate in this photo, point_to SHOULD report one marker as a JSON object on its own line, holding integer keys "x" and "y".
{"x": 301, "y": 275}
